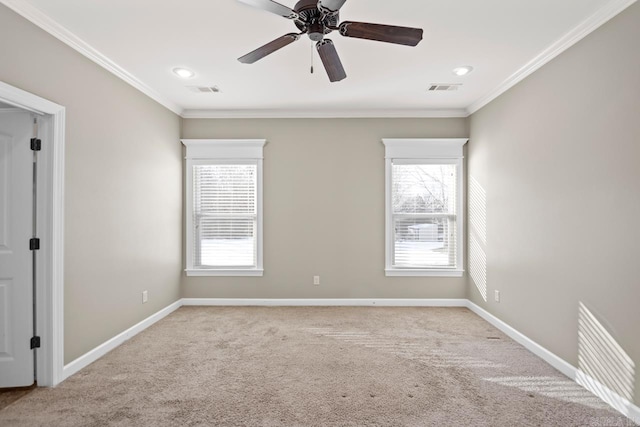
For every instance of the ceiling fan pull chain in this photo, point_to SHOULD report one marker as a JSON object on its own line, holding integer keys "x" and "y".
{"x": 311, "y": 58}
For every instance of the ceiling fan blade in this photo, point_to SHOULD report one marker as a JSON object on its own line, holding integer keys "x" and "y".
{"x": 382, "y": 33}
{"x": 331, "y": 60}
{"x": 273, "y": 7}
{"x": 330, "y": 6}
{"x": 269, "y": 48}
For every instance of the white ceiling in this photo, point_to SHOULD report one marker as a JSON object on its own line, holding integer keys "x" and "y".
{"x": 143, "y": 40}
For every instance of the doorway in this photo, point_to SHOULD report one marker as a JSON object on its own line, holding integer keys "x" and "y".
{"x": 34, "y": 310}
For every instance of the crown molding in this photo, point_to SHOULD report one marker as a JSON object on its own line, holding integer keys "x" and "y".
{"x": 321, "y": 114}
{"x": 586, "y": 27}
{"x": 40, "y": 19}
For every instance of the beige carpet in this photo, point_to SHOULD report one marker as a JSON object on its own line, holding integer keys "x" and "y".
{"x": 10, "y": 395}
{"x": 321, "y": 366}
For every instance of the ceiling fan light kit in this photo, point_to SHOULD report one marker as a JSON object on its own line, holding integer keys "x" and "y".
{"x": 317, "y": 18}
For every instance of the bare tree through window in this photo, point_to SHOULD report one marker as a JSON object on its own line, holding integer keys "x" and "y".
{"x": 423, "y": 209}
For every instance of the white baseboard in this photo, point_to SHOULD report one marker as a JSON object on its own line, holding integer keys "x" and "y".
{"x": 619, "y": 403}
{"x": 613, "y": 399}
{"x": 308, "y": 302}
{"x": 553, "y": 360}
{"x": 93, "y": 355}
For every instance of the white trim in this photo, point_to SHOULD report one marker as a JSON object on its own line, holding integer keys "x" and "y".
{"x": 217, "y": 151}
{"x": 57, "y": 248}
{"x": 525, "y": 341}
{"x": 226, "y": 272}
{"x": 388, "y": 217}
{"x": 423, "y": 148}
{"x": 323, "y": 114}
{"x": 617, "y": 402}
{"x": 260, "y": 200}
{"x": 39, "y": 18}
{"x": 586, "y": 27}
{"x": 104, "y": 348}
{"x": 622, "y": 405}
{"x": 50, "y": 277}
{"x": 224, "y": 148}
{"x": 422, "y": 272}
{"x": 424, "y": 151}
{"x": 326, "y": 302}
{"x": 590, "y": 24}
{"x": 25, "y": 100}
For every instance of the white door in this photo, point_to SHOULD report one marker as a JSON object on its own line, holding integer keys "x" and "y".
{"x": 16, "y": 229}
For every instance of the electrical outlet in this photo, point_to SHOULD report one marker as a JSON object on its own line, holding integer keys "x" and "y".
{"x": 145, "y": 296}
{"x": 316, "y": 280}
{"x": 496, "y": 295}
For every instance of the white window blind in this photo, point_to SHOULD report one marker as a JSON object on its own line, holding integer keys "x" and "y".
{"x": 424, "y": 206}
{"x": 225, "y": 215}
{"x": 424, "y": 215}
{"x": 224, "y": 207}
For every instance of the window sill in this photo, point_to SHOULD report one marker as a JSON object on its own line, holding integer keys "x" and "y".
{"x": 418, "y": 272}
{"x": 225, "y": 272}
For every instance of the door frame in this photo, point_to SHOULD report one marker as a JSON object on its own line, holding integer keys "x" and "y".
{"x": 50, "y": 221}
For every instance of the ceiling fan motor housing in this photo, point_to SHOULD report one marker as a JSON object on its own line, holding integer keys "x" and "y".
{"x": 310, "y": 19}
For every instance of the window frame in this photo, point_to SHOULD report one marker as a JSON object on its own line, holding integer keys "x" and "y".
{"x": 424, "y": 151}
{"x": 217, "y": 152}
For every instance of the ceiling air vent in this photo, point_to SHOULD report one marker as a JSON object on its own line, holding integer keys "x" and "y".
{"x": 439, "y": 87}
{"x": 204, "y": 89}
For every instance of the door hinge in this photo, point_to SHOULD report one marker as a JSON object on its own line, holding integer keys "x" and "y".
{"x": 36, "y": 144}
{"x": 35, "y": 342}
{"x": 34, "y": 244}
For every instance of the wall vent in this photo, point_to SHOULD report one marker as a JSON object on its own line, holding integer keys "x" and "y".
{"x": 439, "y": 87}
{"x": 204, "y": 89}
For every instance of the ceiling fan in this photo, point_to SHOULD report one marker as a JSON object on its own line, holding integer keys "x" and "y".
{"x": 319, "y": 17}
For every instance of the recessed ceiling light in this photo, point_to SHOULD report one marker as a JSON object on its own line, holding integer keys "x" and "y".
{"x": 462, "y": 71}
{"x": 183, "y": 73}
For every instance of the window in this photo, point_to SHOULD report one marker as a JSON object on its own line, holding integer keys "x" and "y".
{"x": 424, "y": 207}
{"x": 224, "y": 207}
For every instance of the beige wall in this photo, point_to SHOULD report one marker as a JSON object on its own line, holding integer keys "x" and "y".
{"x": 324, "y": 209}
{"x": 123, "y": 186}
{"x": 559, "y": 158}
